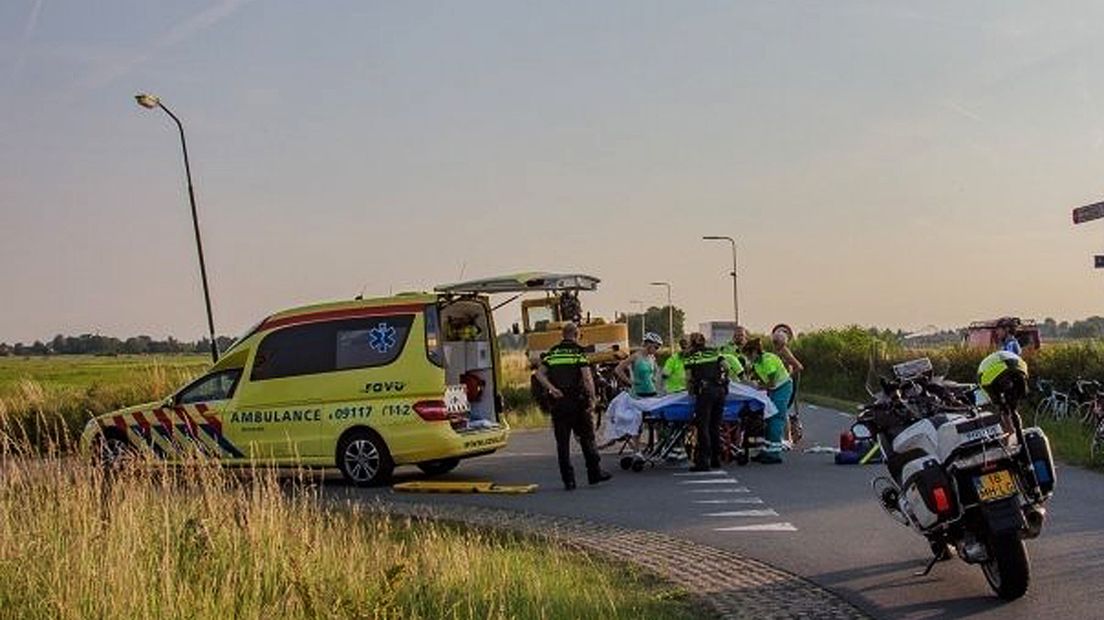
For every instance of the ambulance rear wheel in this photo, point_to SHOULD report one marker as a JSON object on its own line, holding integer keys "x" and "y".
{"x": 438, "y": 467}
{"x": 363, "y": 459}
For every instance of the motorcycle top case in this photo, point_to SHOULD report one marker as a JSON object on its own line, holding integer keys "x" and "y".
{"x": 929, "y": 495}
{"x": 960, "y": 431}
{"x": 1042, "y": 461}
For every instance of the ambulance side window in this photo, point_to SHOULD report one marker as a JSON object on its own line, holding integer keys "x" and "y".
{"x": 217, "y": 386}
{"x": 335, "y": 345}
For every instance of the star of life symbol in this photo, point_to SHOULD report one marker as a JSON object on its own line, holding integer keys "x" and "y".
{"x": 382, "y": 338}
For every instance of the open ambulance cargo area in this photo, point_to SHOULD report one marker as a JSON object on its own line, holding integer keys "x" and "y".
{"x": 544, "y": 317}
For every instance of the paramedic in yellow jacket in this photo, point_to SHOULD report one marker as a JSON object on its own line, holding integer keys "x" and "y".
{"x": 768, "y": 372}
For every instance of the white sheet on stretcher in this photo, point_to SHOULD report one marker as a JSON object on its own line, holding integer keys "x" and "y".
{"x": 625, "y": 413}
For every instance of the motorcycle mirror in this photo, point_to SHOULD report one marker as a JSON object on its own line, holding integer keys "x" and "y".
{"x": 861, "y": 431}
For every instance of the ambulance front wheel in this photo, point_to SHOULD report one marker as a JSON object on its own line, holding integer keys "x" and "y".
{"x": 363, "y": 459}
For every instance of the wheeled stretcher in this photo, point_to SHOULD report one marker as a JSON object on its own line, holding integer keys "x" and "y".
{"x": 667, "y": 423}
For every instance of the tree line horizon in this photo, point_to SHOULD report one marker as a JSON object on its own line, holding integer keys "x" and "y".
{"x": 655, "y": 319}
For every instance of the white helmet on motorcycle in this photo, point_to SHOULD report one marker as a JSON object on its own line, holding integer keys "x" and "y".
{"x": 1003, "y": 376}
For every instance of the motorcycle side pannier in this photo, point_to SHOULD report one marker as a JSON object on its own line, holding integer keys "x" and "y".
{"x": 1042, "y": 461}
{"x": 929, "y": 493}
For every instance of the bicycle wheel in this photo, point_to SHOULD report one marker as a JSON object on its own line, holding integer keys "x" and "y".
{"x": 1061, "y": 409}
{"x": 1096, "y": 450}
{"x": 1086, "y": 414}
{"x": 1045, "y": 409}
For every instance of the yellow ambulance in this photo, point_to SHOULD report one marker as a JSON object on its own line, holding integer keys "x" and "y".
{"x": 363, "y": 385}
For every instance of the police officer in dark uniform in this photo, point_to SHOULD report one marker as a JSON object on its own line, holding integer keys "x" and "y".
{"x": 707, "y": 382}
{"x": 565, "y": 373}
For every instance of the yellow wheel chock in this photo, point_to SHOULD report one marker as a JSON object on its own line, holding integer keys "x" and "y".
{"x": 431, "y": 486}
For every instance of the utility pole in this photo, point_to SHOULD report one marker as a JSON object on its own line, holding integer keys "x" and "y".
{"x": 735, "y": 293}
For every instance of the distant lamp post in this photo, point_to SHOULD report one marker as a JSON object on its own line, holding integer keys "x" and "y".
{"x": 640, "y": 308}
{"x": 151, "y": 102}
{"x": 735, "y": 295}
{"x": 670, "y": 315}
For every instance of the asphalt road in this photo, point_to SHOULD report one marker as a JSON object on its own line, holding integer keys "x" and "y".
{"x": 810, "y": 517}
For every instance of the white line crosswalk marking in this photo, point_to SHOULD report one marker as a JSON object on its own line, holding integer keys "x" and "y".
{"x": 736, "y": 490}
{"x": 712, "y": 472}
{"x": 711, "y": 481}
{"x": 731, "y": 500}
{"x": 763, "y": 512}
{"x": 761, "y": 527}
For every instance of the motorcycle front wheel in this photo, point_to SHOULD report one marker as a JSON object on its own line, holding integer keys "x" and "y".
{"x": 1008, "y": 569}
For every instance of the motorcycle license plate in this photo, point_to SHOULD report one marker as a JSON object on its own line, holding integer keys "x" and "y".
{"x": 995, "y": 485}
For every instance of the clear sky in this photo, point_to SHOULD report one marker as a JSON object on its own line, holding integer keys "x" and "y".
{"x": 898, "y": 164}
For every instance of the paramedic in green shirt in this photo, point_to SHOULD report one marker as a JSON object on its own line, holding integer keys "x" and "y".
{"x": 769, "y": 372}
{"x": 674, "y": 369}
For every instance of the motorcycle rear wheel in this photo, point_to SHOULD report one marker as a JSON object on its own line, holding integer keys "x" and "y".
{"x": 1008, "y": 569}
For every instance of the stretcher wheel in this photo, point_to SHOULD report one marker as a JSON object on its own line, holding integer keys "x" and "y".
{"x": 742, "y": 459}
{"x": 626, "y": 462}
{"x": 638, "y": 465}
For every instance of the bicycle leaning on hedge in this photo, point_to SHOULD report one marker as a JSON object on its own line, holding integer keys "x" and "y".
{"x": 1054, "y": 404}
{"x": 1089, "y": 399}
{"x": 1096, "y": 451}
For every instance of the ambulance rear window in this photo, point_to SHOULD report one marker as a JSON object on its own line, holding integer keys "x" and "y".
{"x": 326, "y": 347}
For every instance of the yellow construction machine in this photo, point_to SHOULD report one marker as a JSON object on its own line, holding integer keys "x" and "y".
{"x": 543, "y": 318}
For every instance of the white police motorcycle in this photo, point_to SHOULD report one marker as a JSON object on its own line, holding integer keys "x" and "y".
{"x": 963, "y": 472}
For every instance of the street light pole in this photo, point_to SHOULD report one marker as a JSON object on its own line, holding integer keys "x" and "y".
{"x": 640, "y": 309}
{"x": 150, "y": 102}
{"x": 670, "y": 315}
{"x": 735, "y": 294}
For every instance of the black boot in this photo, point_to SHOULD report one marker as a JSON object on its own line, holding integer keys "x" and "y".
{"x": 598, "y": 476}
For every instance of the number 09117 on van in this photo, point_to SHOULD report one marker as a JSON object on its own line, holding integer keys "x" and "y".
{"x": 363, "y": 385}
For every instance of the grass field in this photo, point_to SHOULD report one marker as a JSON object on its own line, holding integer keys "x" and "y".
{"x": 81, "y": 372}
{"x": 204, "y": 542}
{"x": 201, "y": 541}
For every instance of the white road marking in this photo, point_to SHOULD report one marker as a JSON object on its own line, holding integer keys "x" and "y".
{"x": 712, "y": 472}
{"x": 765, "y": 512}
{"x": 762, "y": 527}
{"x": 732, "y": 500}
{"x": 737, "y": 490}
{"x": 712, "y": 481}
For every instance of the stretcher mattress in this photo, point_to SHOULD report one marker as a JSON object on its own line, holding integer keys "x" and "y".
{"x": 625, "y": 413}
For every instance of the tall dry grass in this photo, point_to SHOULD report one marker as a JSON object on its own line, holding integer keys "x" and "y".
{"x": 49, "y": 417}
{"x": 200, "y": 541}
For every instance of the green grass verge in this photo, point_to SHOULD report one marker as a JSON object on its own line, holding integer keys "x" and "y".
{"x": 206, "y": 542}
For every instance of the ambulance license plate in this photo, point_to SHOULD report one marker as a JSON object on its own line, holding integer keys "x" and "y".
{"x": 994, "y": 486}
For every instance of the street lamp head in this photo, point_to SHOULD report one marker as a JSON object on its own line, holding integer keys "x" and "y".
{"x": 147, "y": 100}
{"x": 660, "y": 283}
